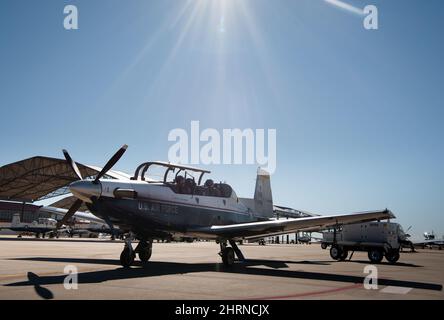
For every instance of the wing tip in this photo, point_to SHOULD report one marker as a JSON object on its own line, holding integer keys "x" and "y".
{"x": 390, "y": 214}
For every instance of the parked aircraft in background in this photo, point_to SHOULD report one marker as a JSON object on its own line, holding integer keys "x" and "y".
{"x": 46, "y": 217}
{"x": 41, "y": 226}
{"x": 83, "y": 223}
{"x": 430, "y": 241}
{"x": 307, "y": 238}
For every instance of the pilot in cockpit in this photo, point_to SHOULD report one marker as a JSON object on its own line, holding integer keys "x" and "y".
{"x": 184, "y": 186}
{"x": 211, "y": 189}
{"x": 180, "y": 183}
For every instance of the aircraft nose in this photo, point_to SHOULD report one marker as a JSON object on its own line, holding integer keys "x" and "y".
{"x": 85, "y": 190}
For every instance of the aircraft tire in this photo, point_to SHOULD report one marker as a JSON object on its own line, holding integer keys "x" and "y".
{"x": 145, "y": 255}
{"x": 228, "y": 256}
{"x": 127, "y": 258}
{"x": 375, "y": 255}
{"x": 335, "y": 252}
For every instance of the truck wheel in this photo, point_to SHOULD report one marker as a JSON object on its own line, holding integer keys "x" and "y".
{"x": 344, "y": 255}
{"x": 335, "y": 252}
{"x": 375, "y": 255}
{"x": 392, "y": 256}
{"x": 324, "y": 245}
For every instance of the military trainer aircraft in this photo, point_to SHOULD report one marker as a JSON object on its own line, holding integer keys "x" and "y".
{"x": 181, "y": 204}
{"x": 41, "y": 226}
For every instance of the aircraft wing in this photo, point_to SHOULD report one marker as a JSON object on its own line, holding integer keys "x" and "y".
{"x": 282, "y": 226}
{"x": 429, "y": 242}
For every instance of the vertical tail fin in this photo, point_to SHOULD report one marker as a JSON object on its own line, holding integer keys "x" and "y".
{"x": 263, "y": 199}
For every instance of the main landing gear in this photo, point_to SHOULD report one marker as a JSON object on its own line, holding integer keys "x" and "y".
{"x": 143, "y": 249}
{"x": 228, "y": 254}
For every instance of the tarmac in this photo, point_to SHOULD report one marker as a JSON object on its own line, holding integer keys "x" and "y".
{"x": 38, "y": 268}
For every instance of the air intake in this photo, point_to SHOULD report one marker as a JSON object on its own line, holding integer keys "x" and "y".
{"x": 125, "y": 193}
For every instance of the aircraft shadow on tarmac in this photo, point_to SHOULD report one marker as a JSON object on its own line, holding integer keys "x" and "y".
{"x": 155, "y": 268}
{"x": 41, "y": 291}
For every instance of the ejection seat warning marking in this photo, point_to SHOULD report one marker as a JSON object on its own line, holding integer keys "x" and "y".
{"x": 157, "y": 207}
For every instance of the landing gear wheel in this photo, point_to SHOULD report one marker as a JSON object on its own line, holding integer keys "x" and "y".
{"x": 228, "y": 256}
{"x": 145, "y": 255}
{"x": 344, "y": 255}
{"x": 392, "y": 256}
{"x": 375, "y": 255}
{"x": 127, "y": 258}
{"x": 335, "y": 252}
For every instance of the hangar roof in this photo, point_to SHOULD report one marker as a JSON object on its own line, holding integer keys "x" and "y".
{"x": 15, "y": 206}
{"x": 39, "y": 178}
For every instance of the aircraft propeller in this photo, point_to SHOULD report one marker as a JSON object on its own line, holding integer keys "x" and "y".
{"x": 76, "y": 205}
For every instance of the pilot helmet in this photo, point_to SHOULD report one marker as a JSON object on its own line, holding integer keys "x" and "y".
{"x": 180, "y": 179}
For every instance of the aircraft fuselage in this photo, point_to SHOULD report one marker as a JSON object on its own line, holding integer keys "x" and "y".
{"x": 158, "y": 211}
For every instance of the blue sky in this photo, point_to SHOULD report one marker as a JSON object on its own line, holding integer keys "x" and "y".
{"x": 358, "y": 113}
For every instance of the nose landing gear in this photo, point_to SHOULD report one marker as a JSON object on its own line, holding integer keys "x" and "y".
{"x": 128, "y": 255}
{"x": 144, "y": 249}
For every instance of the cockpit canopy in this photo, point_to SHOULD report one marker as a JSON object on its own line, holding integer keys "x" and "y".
{"x": 184, "y": 179}
{"x": 184, "y": 185}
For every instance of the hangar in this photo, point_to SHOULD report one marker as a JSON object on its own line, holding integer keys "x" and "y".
{"x": 38, "y": 178}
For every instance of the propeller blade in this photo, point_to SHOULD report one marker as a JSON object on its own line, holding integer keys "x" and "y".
{"x": 75, "y": 206}
{"x": 72, "y": 164}
{"x": 111, "y": 162}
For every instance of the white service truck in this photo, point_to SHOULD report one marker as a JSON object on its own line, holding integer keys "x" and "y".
{"x": 379, "y": 239}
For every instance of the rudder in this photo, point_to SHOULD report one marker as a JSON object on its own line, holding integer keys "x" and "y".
{"x": 263, "y": 199}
